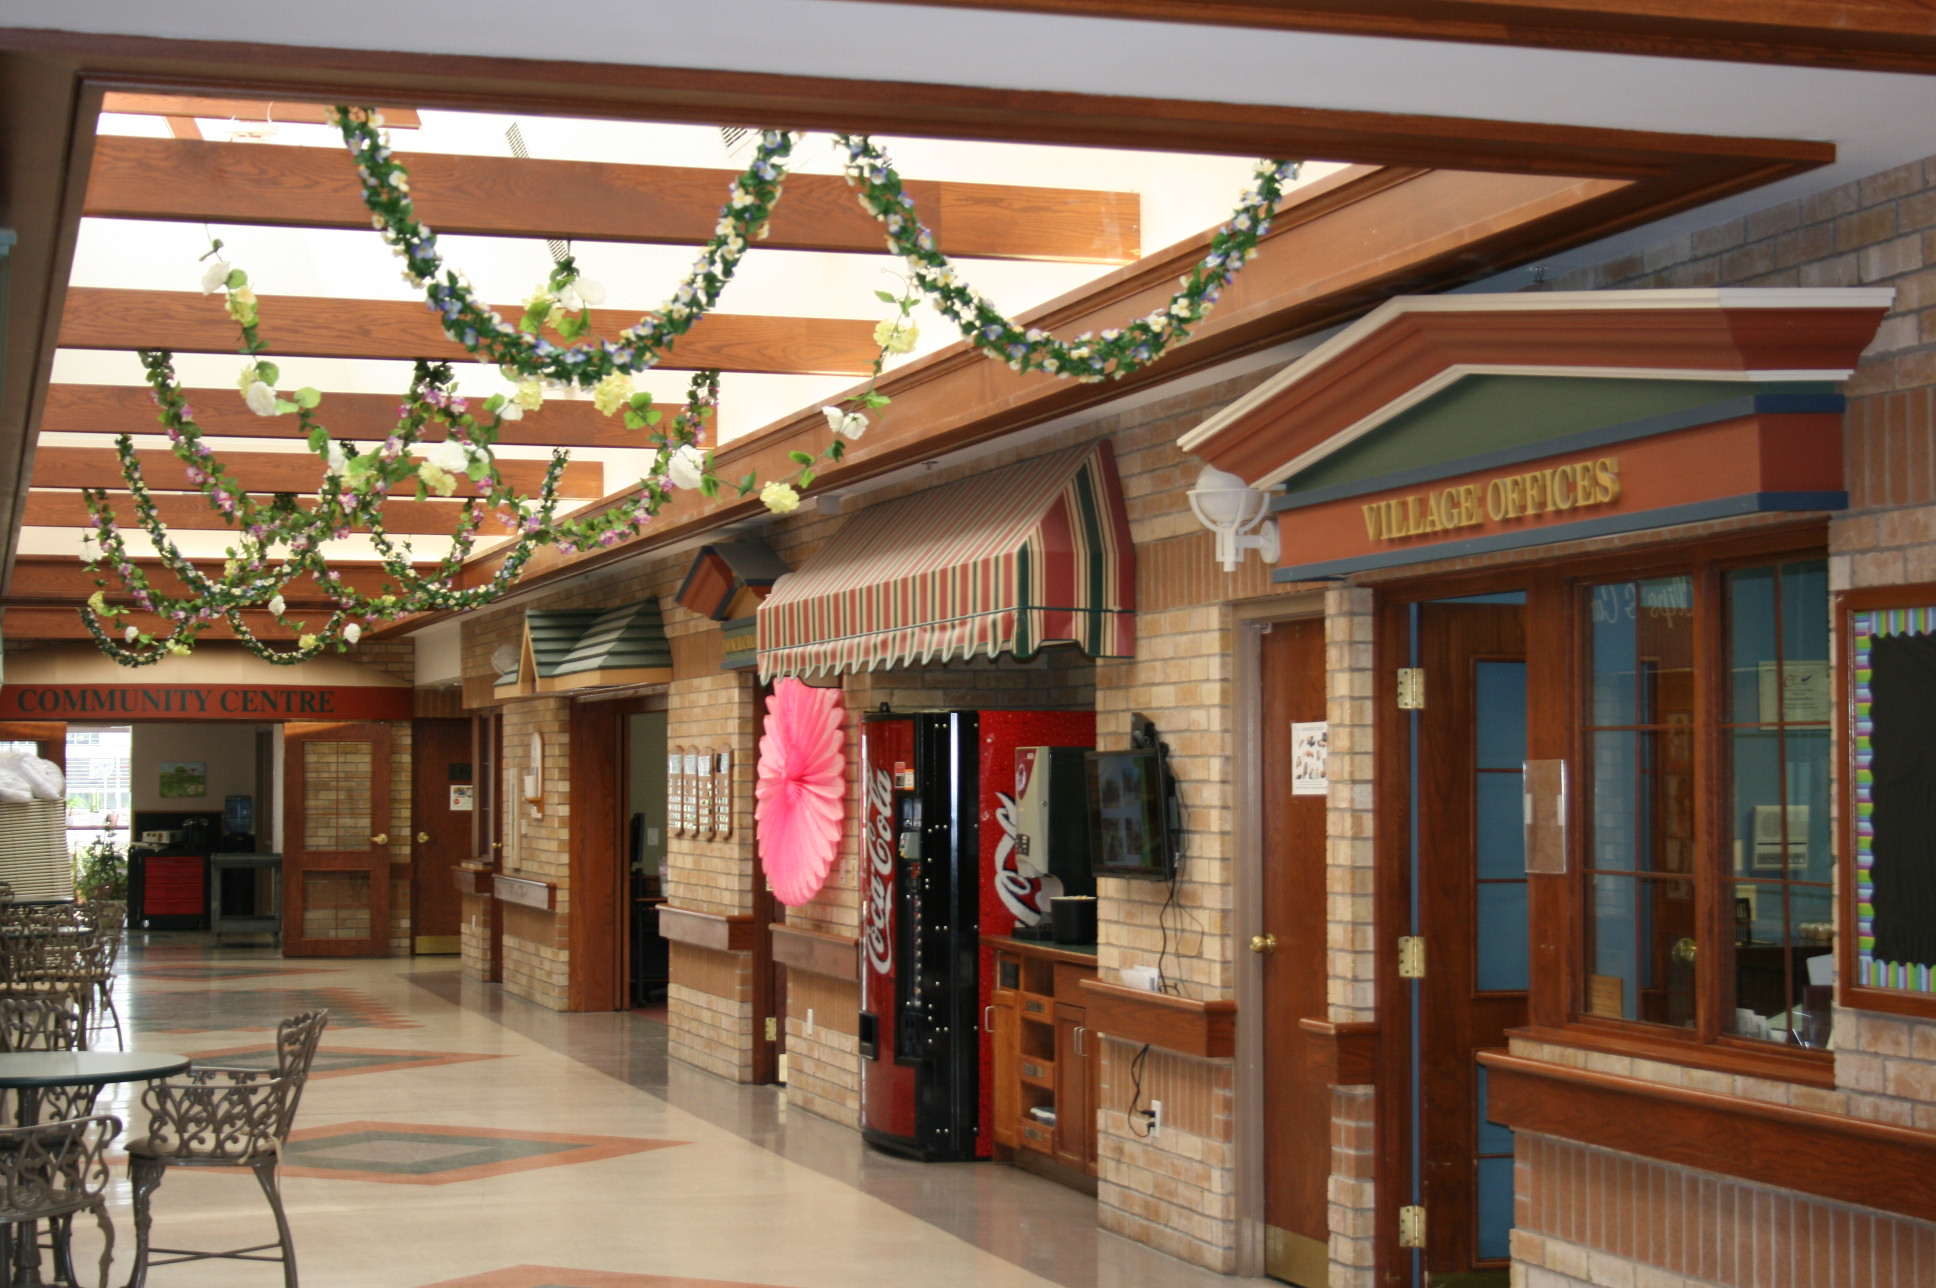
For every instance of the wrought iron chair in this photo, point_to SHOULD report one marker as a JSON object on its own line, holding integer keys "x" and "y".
{"x": 49, "y": 953}
{"x": 49, "y": 1172}
{"x": 44, "y": 1024}
{"x": 98, "y": 956}
{"x": 215, "y": 1117}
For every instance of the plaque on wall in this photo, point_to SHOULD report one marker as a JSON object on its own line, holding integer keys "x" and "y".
{"x": 723, "y": 795}
{"x": 703, "y": 795}
{"x": 675, "y": 791}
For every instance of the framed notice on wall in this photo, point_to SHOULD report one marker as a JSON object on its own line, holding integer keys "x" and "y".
{"x": 1887, "y": 918}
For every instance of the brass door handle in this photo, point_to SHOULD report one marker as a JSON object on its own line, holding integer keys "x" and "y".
{"x": 423, "y": 838}
{"x": 381, "y": 838}
{"x": 1265, "y": 944}
{"x": 1683, "y": 951}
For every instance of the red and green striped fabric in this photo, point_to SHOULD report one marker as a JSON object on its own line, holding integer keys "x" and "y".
{"x": 1035, "y": 553}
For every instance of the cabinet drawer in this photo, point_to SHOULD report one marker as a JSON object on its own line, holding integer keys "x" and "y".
{"x": 1040, "y": 1136}
{"x": 1040, "y": 1073}
{"x": 1037, "y": 1006}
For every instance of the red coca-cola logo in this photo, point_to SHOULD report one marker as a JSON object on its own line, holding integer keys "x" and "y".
{"x": 878, "y": 916}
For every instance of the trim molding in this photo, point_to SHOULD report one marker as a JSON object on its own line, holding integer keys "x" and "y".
{"x": 1831, "y": 1156}
{"x": 814, "y": 951}
{"x": 1346, "y": 1054}
{"x": 1207, "y": 1030}
{"x": 524, "y": 892}
{"x": 1726, "y": 507}
{"x": 722, "y": 934}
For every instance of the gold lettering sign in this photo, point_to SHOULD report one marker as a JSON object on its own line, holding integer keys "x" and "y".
{"x": 1508, "y": 498}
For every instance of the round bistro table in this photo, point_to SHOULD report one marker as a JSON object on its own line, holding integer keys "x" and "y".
{"x": 31, "y": 1071}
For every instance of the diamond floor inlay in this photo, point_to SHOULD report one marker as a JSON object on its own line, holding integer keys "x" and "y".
{"x": 334, "y": 1061}
{"x": 251, "y": 1009}
{"x": 425, "y": 1154}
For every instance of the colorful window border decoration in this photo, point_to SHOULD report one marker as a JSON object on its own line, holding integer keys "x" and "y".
{"x": 1868, "y": 982}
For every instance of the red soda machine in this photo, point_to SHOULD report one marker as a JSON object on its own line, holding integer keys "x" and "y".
{"x": 943, "y": 867}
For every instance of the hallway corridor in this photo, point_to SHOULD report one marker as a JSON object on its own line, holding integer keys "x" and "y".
{"x": 453, "y": 1138}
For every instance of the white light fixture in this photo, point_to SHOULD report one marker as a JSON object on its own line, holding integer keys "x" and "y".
{"x": 1238, "y": 513}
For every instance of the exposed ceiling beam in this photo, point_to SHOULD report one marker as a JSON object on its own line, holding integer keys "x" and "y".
{"x": 47, "y": 581}
{"x": 241, "y": 183}
{"x": 192, "y": 514}
{"x": 295, "y": 112}
{"x": 129, "y": 409}
{"x": 1804, "y": 33}
{"x": 66, "y": 624}
{"x": 1315, "y": 270}
{"x": 265, "y": 472}
{"x": 323, "y": 327}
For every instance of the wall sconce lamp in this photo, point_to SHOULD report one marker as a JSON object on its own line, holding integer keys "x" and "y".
{"x": 1238, "y": 513}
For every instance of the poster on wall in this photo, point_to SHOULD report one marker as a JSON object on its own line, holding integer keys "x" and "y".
{"x": 184, "y": 778}
{"x": 1310, "y": 758}
{"x": 462, "y": 798}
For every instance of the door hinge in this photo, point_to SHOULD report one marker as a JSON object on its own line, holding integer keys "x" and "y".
{"x": 772, "y": 1028}
{"x": 1411, "y": 688}
{"x": 1411, "y": 957}
{"x": 1411, "y": 1227}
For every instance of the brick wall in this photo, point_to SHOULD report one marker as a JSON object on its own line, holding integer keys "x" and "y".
{"x": 1879, "y": 231}
{"x": 536, "y": 965}
{"x": 1176, "y": 1190}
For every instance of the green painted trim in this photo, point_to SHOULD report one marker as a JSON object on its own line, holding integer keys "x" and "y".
{"x": 1481, "y": 415}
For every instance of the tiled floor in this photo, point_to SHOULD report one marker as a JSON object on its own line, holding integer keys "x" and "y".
{"x": 486, "y": 1143}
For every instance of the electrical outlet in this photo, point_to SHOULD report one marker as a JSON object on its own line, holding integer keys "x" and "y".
{"x": 809, "y": 1030}
{"x": 1156, "y": 1118}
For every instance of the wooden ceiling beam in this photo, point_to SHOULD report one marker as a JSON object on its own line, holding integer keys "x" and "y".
{"x": 66, "y": 624}
{"x": 241, "y": 183}
{"x": 362, "y": 418}
{"x": 1896, "y": 37}
{"x": 265, "y": 472}
{"x": 290, "y": 112}
{"x": 50, "y": 581}
{"x": 324, "y": 327}
{"x": 403, "y": 518}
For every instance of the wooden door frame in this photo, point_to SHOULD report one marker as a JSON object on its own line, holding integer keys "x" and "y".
{"x": 487, "y": 822}
{"x": 1247, "y": 919}
{"x": 599, "y": 946}
{"x": 383, "y": 739}
{"x": 418, "y": 881}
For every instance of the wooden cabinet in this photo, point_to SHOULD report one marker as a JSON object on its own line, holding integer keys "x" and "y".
{"x": 1047, "y": 1064}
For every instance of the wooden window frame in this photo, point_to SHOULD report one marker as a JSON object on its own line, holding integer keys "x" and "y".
{"x": 1706, "y": 1045}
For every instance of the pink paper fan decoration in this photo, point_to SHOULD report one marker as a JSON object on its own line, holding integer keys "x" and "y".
{"x": 801, "y": 794}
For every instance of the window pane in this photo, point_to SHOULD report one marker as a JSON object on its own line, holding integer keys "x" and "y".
{"x": 1500, "y": 706}
{"x": 1617, "y": 805}
{"x": 1495, "y": 1208}
{"x": 1781, "y": 962}
{"x": 1501, "y": 825}
{"x": 1500, "y": 936}
{"x": 1753, "y": 629}
{"x": 1638, "y": 962}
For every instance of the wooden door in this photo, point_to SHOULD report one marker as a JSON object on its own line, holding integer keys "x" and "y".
{"x": 335, "y": 840}
{"x": 1075, "y": 1104}
{"x": 1472, "y": 914}
{"x": 1297, "y": 1099}
{"x": 443, "y": 797}
{"x": 487, "y": 821}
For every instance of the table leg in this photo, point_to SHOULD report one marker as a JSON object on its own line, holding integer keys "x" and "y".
{"x": 26, "y": 1234}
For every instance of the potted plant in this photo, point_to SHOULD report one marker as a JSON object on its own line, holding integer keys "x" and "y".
{"x": 101, "y": 870}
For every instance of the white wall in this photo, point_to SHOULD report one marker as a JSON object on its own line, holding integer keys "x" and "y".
{"x": 227, "y": 749}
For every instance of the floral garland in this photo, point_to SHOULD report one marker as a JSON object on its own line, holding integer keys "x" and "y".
{"x": 1089, "y": 357}
{"x": 356, "y": 483}
{"x": 520, "y": 347}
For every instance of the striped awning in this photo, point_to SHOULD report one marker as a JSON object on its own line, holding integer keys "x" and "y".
{"x": 1004, "y": 562}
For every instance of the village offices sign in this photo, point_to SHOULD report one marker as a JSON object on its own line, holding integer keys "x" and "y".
{"x": 1441, "y": 427}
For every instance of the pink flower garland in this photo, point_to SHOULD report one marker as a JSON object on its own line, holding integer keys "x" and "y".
{"x": 801, "y": 789}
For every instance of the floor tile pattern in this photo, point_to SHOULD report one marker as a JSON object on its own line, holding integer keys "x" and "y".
{"x": 251, "y": 1009}
{"x": 559, "y": 1277}
{"x": 426, "y": 1154}
{"x": 192, "y": 972}
{"x": 334, "y": 1061}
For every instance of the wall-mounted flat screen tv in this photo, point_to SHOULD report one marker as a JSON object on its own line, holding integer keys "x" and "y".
{"x": 1130, "y": 815}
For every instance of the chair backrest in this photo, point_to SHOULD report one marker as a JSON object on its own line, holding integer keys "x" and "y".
{"x": 218, "y": 1115}
{"x": 296, "y": 1041}
{"x": 54, "y": 1168}
{"x": 38, "y": 1024}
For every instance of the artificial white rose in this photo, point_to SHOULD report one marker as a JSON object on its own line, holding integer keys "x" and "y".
{"x": 849, "y": 424}
{"x": 591, "y": 294}
{"x": 336, "y": 459}
{"x": 131, "y": 634}
{"x": 510, "y": 411}
{"x": 261, "y": 399}
{"x": 278, "y": 606}
{"x": 450, "y": 456}
{"x": 352, "y": 633}
{"x": 216, "y": 278}
{"x": 687, "y": 467}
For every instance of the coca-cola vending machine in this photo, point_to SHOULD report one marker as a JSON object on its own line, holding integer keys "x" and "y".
{"x": 943, "y": 867}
